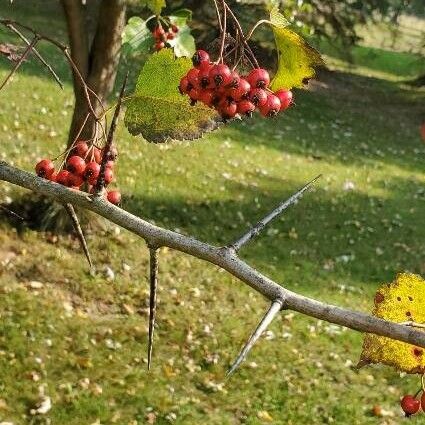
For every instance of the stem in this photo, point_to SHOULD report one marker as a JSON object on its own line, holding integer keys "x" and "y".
{"x": 263, "y": 21}
{"x": 223, "y": 31}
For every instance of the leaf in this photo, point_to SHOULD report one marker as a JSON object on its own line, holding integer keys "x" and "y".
{"x": 278, "y": 19}
{"x": 183, "y": 43}
{"x": 296, "y": 58}
{"x": 136, "y": 37}
{"x": 400, "y": 301}
{"x": 154, "y": 5}
{"x": 158, "y": 111}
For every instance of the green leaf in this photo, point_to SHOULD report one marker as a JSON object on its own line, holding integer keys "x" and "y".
{"x": 154, "y": 5}
{"x": 296, "y": 59}
{"x": 158, "y": 111}
{"x": 136, "y": 37}
{"x": 278, "y": 19}
{"x": 183, "y": 43}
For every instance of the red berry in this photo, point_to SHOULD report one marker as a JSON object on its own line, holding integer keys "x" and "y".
{"x": 63, "y": 177}
{"x": 221, "y": 75}
{"x": 241, "y": 91}
{"x": 52, "y": 178}
{"x": 258, "y": 97}
{"x": 204, "y": 75}
{"x": 207, "y": 97}
{"x": 193, "y": 77}
{"x": 259, "y": 78}
{"x": 158, "y": 31}
{"x": 76, "y": 165}
{"x": 75, "y": 180}
{"x": 285, "y": 97}
{"x": 184, "y": 85}
{"x": 272, "y": 106}
{"x": 170, "y": 36}
{"x": 245, "y": 107}
{"x": 174, "y": 28}
{"x": 97, "y": 154}
{"x": 109, "y": 176}
{"x": 227, "y": 109}
{"x": 91, "y": 172}
{"x": 234, "y": 80}
{"x": 114, "y": 197}
{"x": 194, "y": 95}
{"x": 45, "y": 168}
{"x": 159, "y": 45}
{"x": 199, "y": 57}
{"x": 410, "y": 405}
{"x": 80, "y": 149}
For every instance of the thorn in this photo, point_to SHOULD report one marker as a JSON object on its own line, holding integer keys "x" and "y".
{"x": 255, "y": 230}
{"x": 77, "y": 227}
{"x": 152, "y": 300}
{"x": 266, "y": 320}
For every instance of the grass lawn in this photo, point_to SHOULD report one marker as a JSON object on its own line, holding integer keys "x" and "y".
{"x": 81, "y": 338}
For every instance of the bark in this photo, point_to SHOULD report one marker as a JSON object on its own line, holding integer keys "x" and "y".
{"x": 96, "y": 57}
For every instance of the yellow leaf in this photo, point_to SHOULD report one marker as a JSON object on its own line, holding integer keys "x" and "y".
{"x": 296, "y": 59}
{"x": 400, "y": 301}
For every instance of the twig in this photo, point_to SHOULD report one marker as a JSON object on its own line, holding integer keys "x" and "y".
{"x": 255, "y": 230}
{"x": 12, "y": 213}
{"x": 220, "y": 256}
{"x": 223, "y": 32}
{"x": 79, "y": 231}
{"x": 36, "y": 53}
{"x": 100, "y": 184}
{"x": 34, "y": 41}
{"x": 153, "y": 279}
{"x": 262, "y": 326}
{"x": 220, "y": 25}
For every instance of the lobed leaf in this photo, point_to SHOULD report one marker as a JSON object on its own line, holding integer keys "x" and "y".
{"x": 136, "y": 37}
{"x": 400, "y": 301}
{"x": 296, "y": 58}
{"x": 158, "y": 111}
{"x": 183, "y": 43}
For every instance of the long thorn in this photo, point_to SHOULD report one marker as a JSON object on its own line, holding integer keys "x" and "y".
{"x": 255, "y": 230}
{"x": 266, "y": 320}
{"x": 100, "y": 184}
{"x": 152, "y": 299}
{"x": 79, "y": 231}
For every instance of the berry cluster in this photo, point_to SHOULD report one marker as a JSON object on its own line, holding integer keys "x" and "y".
{"x": 82, "y": 169}
{"x": 161, "y": 36}
{"x": 411, "y": 404}
{"x": 219, "y": 87}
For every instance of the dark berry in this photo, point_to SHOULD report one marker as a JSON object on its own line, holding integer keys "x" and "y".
{"x": 204, "y": 75}
{"x": 227, "y": 109}
{"x": 170, "y": 36}
{"x": 246, "y": 107}
{"x": 158, "y": 31}
{"x": 174, "y": 28}
{"x": 258, "y": 97}
{"x": 259, "y": 78}
{"x": 76, "y": 165}
{"x": 272, "y": 106}
{"x": 221, "y": 75}
{"x": 199, "y": 57}
{"x": 45, "y": 168}
{"x": 114, "y": 197}
{"x": 285, "y": 97}
{"x": 234, "y": 80}
{"x": 410, "y": 405}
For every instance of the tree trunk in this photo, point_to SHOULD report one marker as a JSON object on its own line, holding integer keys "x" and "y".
{"x": 97, "y": 60}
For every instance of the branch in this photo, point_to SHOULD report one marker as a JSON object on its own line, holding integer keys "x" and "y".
{"x": 222, "y": 257}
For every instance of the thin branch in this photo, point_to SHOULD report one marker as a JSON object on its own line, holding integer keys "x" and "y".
{"x": 79, "y": 231}
{"x": 223, "y": 31}
{"x": 220, "y": 256}
{"x": 262, "y": 326}
{"x": 28, "y": 49}
{"x": 36, "y": 53}
{"x": 100, "y": 184}
{"x": 261, "y": 22}
{"x": 12, "y": 213}
{"x": 153, "y": 279}
{"x": 255, "y": 230}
